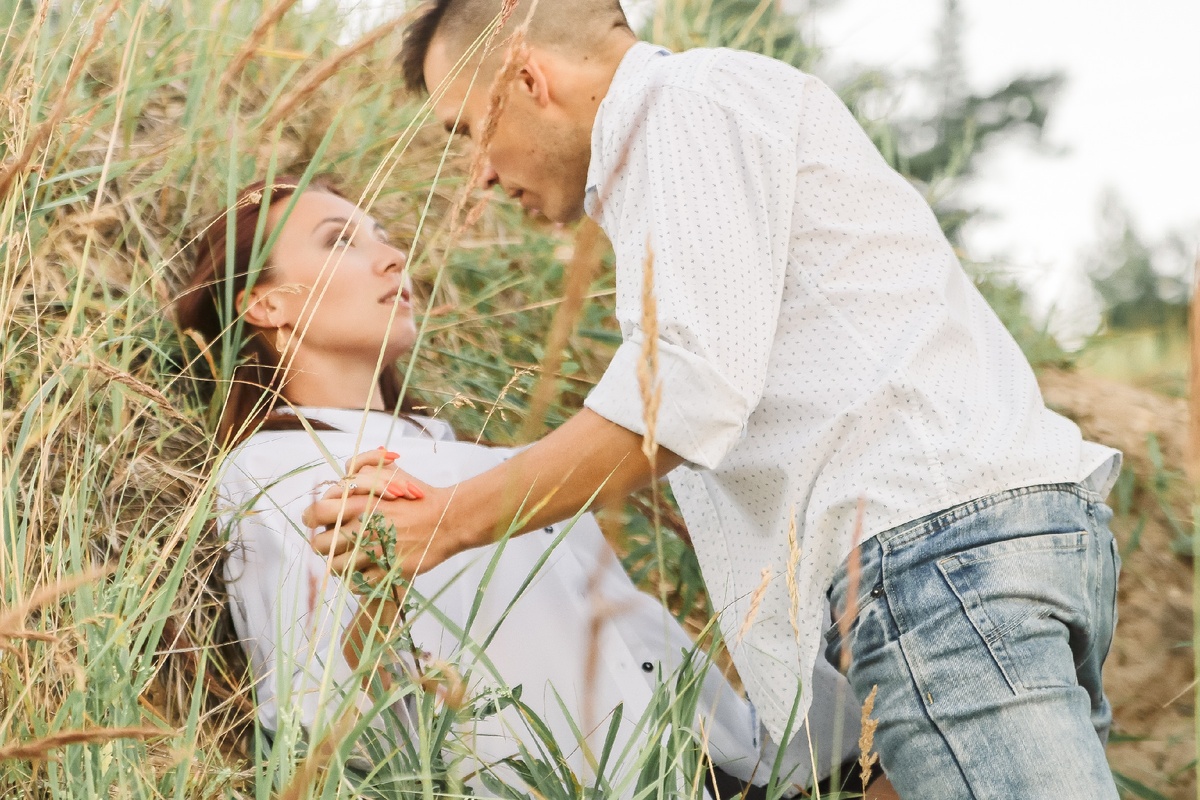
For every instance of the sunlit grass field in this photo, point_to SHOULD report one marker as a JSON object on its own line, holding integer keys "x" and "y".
{"x": 123, "y": 127}
{"x": 126, "y": 126}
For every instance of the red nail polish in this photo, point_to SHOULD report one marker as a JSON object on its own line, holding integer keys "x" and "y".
{"x": 392, "y": 456}
{"x": 415, "y": 491}
{"x": 397, "y": 488}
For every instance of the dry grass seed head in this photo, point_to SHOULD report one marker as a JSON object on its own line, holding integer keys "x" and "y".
{"x": 756, "y": 600}
{"x": 42, "y": 749}
{"x": 793, "y": 566}
{"x": 647, "y": 372}
{"x": 866, "y": 739}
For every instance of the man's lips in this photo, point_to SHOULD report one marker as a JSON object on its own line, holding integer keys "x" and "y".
{"x": 528, "y": 203}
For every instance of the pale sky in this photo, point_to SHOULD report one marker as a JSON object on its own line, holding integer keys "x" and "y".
{"x": 1128, "y": 116}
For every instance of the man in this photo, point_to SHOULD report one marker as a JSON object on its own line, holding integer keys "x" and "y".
{"x": 829, "y": 374}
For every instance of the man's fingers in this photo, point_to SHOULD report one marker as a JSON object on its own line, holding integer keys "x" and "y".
{"x": 332, "y": 542}
{"x": 351, "y": 561}
{"x": 331, "y": 511}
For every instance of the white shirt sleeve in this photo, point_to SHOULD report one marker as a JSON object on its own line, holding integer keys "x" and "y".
{"x": 711, "y": 218}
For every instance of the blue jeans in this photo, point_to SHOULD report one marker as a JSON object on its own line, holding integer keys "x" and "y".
{"x": 985, "y": 627}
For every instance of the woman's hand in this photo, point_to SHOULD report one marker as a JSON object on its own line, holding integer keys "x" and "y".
{"x": 372, "y": 474}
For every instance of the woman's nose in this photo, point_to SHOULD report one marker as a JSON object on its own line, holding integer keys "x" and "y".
{"x": 392, "y": 260}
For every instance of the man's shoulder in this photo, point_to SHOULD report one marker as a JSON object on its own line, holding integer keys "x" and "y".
{"x": 756, "y": 89}
{"x": 714, "y": 71}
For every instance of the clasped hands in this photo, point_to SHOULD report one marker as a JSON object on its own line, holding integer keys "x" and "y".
{"x": 381, "y": 522}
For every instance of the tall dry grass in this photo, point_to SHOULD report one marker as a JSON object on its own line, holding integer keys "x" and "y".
{"x": 124, "y": 124}
{"x": 121, "y": 126}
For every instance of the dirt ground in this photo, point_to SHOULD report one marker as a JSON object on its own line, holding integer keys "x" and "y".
{"x": 1148, "y": 675}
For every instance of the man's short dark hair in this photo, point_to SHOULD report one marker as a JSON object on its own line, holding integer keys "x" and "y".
{"x": 416, "y": 44}
{"x": 562, "y": 22}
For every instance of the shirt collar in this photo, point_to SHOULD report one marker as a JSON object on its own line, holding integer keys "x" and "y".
{"x": 635, "y": 60}
{"x": 349, "y": 420}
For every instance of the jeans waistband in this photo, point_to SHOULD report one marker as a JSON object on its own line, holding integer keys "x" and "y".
{"x": 940, "y": 520}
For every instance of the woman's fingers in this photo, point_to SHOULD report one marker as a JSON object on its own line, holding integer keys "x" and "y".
{"x": 374, "y": 473}
{"x": 387, "y": 482}
{"x": 332, "y": 542}
{"x": 346, "y": 552}
{"x": 379, "y": 457}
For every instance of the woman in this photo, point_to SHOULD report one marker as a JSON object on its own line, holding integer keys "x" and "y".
{"x": 327, "y": 316}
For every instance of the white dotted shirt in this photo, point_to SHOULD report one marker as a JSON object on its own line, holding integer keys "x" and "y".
{"x": 819, "y": 343}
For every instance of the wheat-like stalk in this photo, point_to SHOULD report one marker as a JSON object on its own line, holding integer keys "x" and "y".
{"x": 42, "y": 749}
{"x": 59, "y": 111}
{"x": 269, "y": 19}
{"x": 792, "y": 584}
{"x": 756, "y": 600}
{"x": 326, "y": 69}
{"x": 866, "y": 739}
{"x": 647, "y": 372}
{"x": 581, "y": 271}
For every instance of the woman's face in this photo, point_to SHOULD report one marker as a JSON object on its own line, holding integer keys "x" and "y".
{"x": 336, "y": 285}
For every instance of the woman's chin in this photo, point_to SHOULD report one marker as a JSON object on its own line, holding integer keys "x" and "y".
{"x": 399, "y": 350}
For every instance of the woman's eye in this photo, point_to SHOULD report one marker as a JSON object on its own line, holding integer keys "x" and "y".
{"x": 345, "y": 240}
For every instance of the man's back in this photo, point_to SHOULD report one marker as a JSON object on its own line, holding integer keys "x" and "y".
{"x": 821, "y": 345}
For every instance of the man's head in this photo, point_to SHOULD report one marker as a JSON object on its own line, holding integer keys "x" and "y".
{"x": 541, "y": 145}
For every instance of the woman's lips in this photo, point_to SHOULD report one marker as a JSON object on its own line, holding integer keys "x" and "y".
{"x": 390, "y": 297}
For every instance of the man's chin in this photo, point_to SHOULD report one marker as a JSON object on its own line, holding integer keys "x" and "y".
{"x": 562, "y": 215}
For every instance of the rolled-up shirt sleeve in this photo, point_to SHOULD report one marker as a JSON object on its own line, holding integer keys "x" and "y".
{"x": 704, "y": 198}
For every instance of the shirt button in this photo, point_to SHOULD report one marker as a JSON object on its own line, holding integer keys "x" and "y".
{"x": 647, "y": 666}
{"x": 877, "y": 591}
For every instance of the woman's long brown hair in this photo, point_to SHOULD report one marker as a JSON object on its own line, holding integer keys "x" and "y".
{"x": 257, "y": 389}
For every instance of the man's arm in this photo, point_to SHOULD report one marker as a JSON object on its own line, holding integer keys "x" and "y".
{"x": 588, "y": 461}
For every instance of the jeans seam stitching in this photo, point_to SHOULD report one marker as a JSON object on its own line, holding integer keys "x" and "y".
{"x": 948, "y": 517}
{"x": 988, "y": 645}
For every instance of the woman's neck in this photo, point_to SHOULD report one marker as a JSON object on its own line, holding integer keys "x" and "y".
{"x": 333, "y": 381}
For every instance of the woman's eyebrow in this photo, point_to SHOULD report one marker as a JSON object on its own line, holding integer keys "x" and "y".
{"x": 339, "y": 220}
{"x": 345, "y": 223}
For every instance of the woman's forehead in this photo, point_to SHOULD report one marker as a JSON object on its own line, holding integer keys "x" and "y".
{"x": 316, "y": 206}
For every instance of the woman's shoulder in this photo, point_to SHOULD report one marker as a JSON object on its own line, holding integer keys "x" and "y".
{"x": 328, "y": 436}
{"x": 266, "y": 458}
{"x": 437, "y": 429}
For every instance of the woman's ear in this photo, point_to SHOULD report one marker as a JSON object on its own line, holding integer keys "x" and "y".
{"x": 262, "y": 307}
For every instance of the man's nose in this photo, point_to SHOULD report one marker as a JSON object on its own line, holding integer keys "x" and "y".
{"x": 489, "y": 177}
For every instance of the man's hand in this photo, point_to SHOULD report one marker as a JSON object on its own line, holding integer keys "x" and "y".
{"x": 368, "y": 523}
{"x": 588, "y": 461}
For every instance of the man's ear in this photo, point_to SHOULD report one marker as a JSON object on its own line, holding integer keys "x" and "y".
{"x": 534, "y": 79}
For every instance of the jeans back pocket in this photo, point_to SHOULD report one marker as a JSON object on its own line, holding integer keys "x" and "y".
{"x": 1026, "y": 598}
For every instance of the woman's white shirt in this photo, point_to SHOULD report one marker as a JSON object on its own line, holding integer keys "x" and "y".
{"x": 579, "y": 631}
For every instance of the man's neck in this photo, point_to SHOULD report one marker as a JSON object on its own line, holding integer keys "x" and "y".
{"x": 592, "y": 75}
